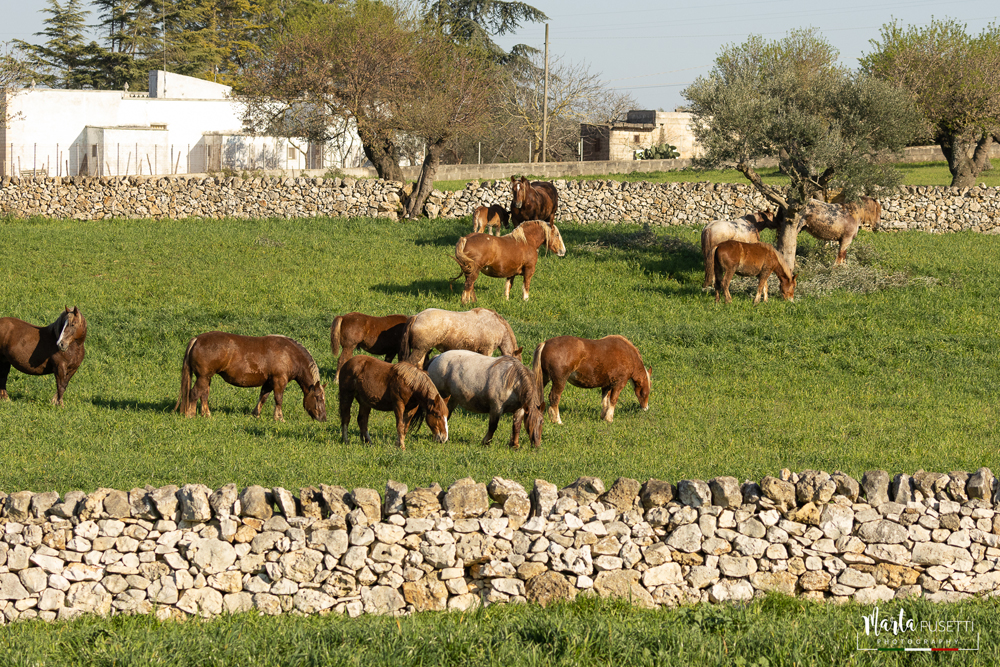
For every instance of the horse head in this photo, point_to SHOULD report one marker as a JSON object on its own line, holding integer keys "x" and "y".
{"x": 437, "y": 419}
{"x": 314, "y": 401}
{"x": 788, "y": 287}
{"x": 72, "y": 327}
{"x": 643, "y": 389}
{"x": 533, "y": 419}
{"x": 519, "y": 192}
{"x": 553, "y": 239}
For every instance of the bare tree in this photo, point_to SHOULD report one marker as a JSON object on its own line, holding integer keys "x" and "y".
{"x": 14, "y": 77}
{"x": 576, "y": 95}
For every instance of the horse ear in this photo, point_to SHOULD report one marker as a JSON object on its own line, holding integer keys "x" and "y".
{"x": 511, "y": 179}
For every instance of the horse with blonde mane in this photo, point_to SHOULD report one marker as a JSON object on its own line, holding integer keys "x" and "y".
{"x": 402, "y": 389}
{"x": 514, "y": 254}
{"x": 479, "y": 330}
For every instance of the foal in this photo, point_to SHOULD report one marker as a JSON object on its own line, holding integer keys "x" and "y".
{"x": 751, "y": 259}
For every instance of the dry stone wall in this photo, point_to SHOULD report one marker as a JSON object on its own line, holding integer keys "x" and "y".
{"x": 186, "y": 551}
{"x": 931, "y": 209}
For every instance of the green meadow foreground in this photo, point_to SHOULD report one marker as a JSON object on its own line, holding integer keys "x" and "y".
{"x": 887, "y": 363}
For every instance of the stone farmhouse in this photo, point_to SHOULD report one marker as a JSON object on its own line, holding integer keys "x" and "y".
{"x": 182, "y": 125}
{"x": 640, "y": 130}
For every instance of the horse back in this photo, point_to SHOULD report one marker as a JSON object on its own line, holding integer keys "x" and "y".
{"x": 828, "y": 222}
{"x": 745, "y": 259}
{"x": 550, "y": 197}
{"x": 365, "y": 379}
{"x": 32, "y": 349}
{"x": 589, "y": 363}
{"x": 249, "y": 361}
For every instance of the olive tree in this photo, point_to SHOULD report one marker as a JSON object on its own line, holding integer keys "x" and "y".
{"x": 955, "y": 81}
{"x": 829, "y": 127}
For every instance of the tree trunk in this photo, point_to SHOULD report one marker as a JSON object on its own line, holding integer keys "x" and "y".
{"x": 381, "y": 149}
{"x": 786, "y": 241}
{"x": 965, "y": 170}
{"x": 426, "y": 181}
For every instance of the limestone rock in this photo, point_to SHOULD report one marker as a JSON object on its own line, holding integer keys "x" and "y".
{"x": 623, "y": 584}
{"x": 254, "y": 503}
{"x": 656, "y": 493}
{"x": 422, "y": 502}
{"x": 394, "y": 503}
{"x": 622, "y": 494}
{"x": 584, "y": 490}
{"x": 726, "y": 492}
{"x": 550, "y": 587}
{"x": 876, "y": 486}
{"x": 466, "y": 498}
{"x": 778, "y": 491}
{"x": 980, "y": 485}
{"x": 194, "y": 504}
{"x": 694, "y": 493}
{"x": 368, "y": 501}
{"x": 501, "y": 489}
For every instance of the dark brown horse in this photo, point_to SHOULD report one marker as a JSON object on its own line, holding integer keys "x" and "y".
{"x": 537, "y": 200}
{"x": 495, "y": 387}
{"x": 400, "y": 388}
{"x": 751, "y": 259}
{"x": 57, "y": 348}
{"x": 375, "y": 335}
{"x": 746, "y": 229}
{"x": 268, "y": 362}
{"x": 480, "y": 330}
{"x": 609, "y": 363}
{"x": 509, "y": 256}
{"x": 485, "y": 220}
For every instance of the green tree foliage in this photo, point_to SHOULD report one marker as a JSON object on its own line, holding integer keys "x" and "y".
{"x": 65, "y": 59}
{"x": 475, "y": 22}
{"x": 828, "y": 127}
{"x": 954, "y": 79}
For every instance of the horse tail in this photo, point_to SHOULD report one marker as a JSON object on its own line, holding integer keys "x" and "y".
{"x": 536, "y": 367}
{"x": 184, "y": 400}
{"x": 335, "y": 335}
{"x": 404, "y": 343}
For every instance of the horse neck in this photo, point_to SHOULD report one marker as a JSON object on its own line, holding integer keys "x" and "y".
{"x": 784, "y": 275}
{"x": 534, "y": 233}
{"x": 55, "y": 329}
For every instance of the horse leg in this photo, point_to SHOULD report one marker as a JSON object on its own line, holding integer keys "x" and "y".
{"x": 762, "y": 286}
{"x": 346, "y": 400}
{"x": 726, "y": 279}
{"x": 558, "y": 385}
{"x": 515, "y": 433}
{"x": 63, "y": 374}
{"x": 529, "y": 271}
{"x": 609, "y": 400}
{"x": 4, "y": 372}
{"x": 469, "y": 292}
{"x": 507, "y": 286}
{"x": 402, "y": 423}
{"x": 200, "y": 392}
{"x": 845, "y": 243}
{"x": 494, "y": 422}
{"x": 364, "y": 412}
{"x": 265, "y": 391}
{"x": 279, "y": 393}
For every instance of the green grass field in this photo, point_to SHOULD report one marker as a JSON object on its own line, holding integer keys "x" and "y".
{"x": 887, "y": 363}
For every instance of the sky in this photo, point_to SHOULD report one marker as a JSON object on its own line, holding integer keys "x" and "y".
{"x": 655, "y": 49}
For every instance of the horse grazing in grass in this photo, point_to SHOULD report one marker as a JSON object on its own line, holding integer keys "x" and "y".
{"x": 491, "y": 386}
{"x": 375, "y": 335}
{"x": 485, "y": 220}
{"x": 609, "y": 363}
{"x": 268, "y": 362}
{"x": 746, "y": 229}
{"x": 537, "y": 200}
{"x": 509, "y": 256}
{"x": 751, "y": 259}
{"x": 57, "y": 348}
{"x": 479, "y": 330}
{"x": 839, "y": 221}
{"x": 400, "y": 388}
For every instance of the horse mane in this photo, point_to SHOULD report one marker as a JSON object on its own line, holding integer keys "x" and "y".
{"x": 415, "y": 378}
{"x": 313, "y": 368}
{"x": 518, "y": 234}
{"x": 515, "y": 375}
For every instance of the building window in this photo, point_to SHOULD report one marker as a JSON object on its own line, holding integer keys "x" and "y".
{"x": 93, "y": 151}
{"x": 291, "y": 153}
{"x": 636, "y": 139}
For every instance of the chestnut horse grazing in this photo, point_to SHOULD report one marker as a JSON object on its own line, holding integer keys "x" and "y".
{"x": 751, "y": 259}
{"x": 400, "y": 388}
{"x": 484, "y": 220}
{"x": 514, "y": 254}
{"x": 609, "y": 363}
{"x": 480, "y": 330}
{"x": 375, "y": 335}
{"x": 840, "y": 221}
{"x": 746, "y": 229}
{"x": 537, "y": 200}
{"x": 491, "y": 386}
{"x": 268, "y": 362}
{"x": 57, "y": 348}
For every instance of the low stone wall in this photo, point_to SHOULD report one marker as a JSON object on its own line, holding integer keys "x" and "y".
{"x": 193, "y": 551}
{"x": 932, "y": 209}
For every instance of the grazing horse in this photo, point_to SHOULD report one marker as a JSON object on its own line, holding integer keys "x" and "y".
{"x": 746, "y": 229}
{"x": 485, "y": 220}
{"x": 751, "y": 259}
{"x": 537, "y": 200}
{"x": 400, "y": 388}
{"x": 480, "y": 330}
{"x": 609, "y": 363}
{"x": 514, "y": 254}
{"x": 57, "y": 348}
{"x": 839, "y": 221}
{"x": 374, "y": 335}
{"x": 491, "y": 386}
{"x": 268, "y": 362}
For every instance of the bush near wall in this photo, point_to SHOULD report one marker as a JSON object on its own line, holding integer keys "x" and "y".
{"x": 925, "y": 208}
{"x": 194, "y": 551}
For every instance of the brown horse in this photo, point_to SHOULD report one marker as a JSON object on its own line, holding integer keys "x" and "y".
{"x": 509, "y": 256}
{"x": 491, "y": 386}
{"x": 746, "y": 229}
{"x": 609, "y": 363}
{"x": 537, "y": 200}
{"x": 374, "y": 335}
{"x": 751, "y": 259}
{"x": 485, "y": 220}
{"x": 480, "y": 330}
{"x": 400, "y": 388}
{"x": 268, "y": 362}
{"x": 57, "y": 348}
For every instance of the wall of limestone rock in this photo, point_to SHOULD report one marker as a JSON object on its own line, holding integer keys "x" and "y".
{"x": 932, "y": 209}
{"x": 194, "y": 551}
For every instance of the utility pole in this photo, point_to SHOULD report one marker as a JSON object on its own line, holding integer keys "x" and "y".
{"x": 545, "y": 97}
